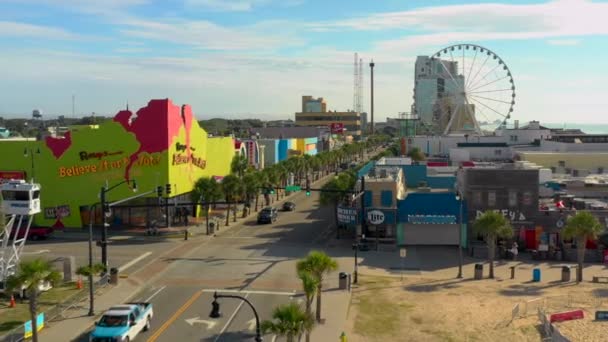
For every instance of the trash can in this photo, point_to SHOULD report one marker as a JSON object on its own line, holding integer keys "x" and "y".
{"x": 536, "y": 275}
{"x": 211, "y": 227}
{"x": 343, "y": 281}
{"x": 478, "y": 271}
{"x": 565, "y": 273}
{"x": 114, "y": 276}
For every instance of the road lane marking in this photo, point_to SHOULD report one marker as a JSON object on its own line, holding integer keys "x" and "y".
{"x": 274, "y": 338}
{"x": 133, "y": 262}
{"x": 177, "y": 313}
{"x": 229, "y": 320}
{"x": 36, "y": 252}
{"x": 155, "y": 293}
{"x": 251, "y": 324}
{"x": 277, "y": 293}
{"x": 194, "y": 320}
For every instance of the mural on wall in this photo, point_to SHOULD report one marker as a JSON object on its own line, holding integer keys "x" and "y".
{"x": 161, "y": 144}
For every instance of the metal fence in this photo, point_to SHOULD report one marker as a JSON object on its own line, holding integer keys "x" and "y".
{"x": 550, "y": 331}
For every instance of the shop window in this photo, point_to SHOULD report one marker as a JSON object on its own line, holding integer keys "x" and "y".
{"x": 512, "y": 199}
{"x": 491, "y": 198}
{"x": 368, "y": 198}
{"x": 477, "y": 198}
{"x": 386, "y": 197}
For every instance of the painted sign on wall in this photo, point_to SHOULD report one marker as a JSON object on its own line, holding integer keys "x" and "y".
{"x": 336, "y": 127}
{"x": 347, "y": 215}
{"x": 5, "y": 176}
{"x": 512, "y": 215}
{"x": 57, "y": 212}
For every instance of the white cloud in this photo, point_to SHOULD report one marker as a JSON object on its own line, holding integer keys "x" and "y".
{"x": 563, "y": 42}
{"x": 15, "y": 29}
{"x": 237, "y": 5}
{"x": 502, "y": 21}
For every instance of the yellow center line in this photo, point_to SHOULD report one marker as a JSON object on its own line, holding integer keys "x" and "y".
{"x": 178, "y": 313}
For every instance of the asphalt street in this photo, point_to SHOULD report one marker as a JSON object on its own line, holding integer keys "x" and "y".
{"x": 251, "y": 260}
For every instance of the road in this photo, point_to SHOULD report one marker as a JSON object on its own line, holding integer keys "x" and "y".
{"x": 255, "y": 261}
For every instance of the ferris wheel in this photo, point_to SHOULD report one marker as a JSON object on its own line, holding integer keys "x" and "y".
{"x": 475, "y": 89}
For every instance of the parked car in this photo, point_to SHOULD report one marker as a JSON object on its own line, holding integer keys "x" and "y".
{"x": 268, "y": 215}
{"x": 289, "y": 206}
{"x": 35, "y": 233}
{"x": 123, "y": 322}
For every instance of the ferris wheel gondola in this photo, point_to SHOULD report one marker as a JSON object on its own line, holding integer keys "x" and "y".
{"x": 478, "y": 90}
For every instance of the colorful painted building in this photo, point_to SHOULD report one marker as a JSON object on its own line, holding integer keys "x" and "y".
{"x": 162, "y": 144}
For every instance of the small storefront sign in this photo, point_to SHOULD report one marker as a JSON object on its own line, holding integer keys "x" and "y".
{"x": 5, "y": 176}
{"x": 57, "y": 212}
{"x": 431, "y": 219}
{"x": 347, "y": 215}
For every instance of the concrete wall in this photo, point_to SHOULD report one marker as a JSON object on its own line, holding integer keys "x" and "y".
{"x": 271, "y": 151}
{"x": 580, "y": 160}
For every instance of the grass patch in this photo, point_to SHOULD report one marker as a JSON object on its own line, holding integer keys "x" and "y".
{"x": 10, "y": 318}
{"x": 377, "y": 315}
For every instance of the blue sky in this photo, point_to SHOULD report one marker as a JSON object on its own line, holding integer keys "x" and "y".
{"x": 236, "y": 58}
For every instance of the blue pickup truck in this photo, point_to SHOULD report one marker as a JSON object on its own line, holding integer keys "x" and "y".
{"x": 122, "y": 323}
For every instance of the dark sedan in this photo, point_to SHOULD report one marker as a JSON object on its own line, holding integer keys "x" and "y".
{"x": 289, "y": 206}
{"x": 267, "y": 215}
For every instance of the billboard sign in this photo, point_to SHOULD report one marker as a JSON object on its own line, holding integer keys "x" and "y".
{"x": 375, "y": 217}
{"x": 347, "y": 215}
{"x": 337, "y": 127}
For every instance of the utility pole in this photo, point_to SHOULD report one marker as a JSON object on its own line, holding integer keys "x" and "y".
{"x": 371, "y": 65}
{"x": 363, "y": 218}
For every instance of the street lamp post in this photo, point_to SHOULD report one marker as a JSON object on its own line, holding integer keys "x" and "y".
{"x": 91, "y": 290}
{"x": 215, "y": 312}
{"x": 356, "y": 273}
{"x": 106, "y": 211}
{"x": 459, "y": 198}
{"x": 29, "y": 152}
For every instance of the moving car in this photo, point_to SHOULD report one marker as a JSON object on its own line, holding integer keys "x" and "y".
{"x": 123, "y": 323}
{"x": 267, "y": 215}
{"x": 289, "y": 206}
{"x": 35, "y": 233}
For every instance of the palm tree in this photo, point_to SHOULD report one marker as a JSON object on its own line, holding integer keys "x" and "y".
{"x": 492, "y": 225}
{"x": 317, "y": 264}
{"x": 343, "y": 182}
{"x": 289, "y": 321}
{"x": 582, "y": 227}
{"x": 206, "y": 189}
{"x": 309, "y": 285}
{"x": 262, "y": 180}
{"x": 239, "y": 165}
{"x": 231, "y": 187}
{"x": 251, "y": 188}
{"x": 29, "y": 276}
{"x": 416, "y": 154}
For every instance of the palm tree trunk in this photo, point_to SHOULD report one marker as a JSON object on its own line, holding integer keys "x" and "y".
{"x": 228, "y": 215}
{"x": 234, "y": 213}
{"x": 257, "y": 197}
{"x": 491, "y": 253}
{"x": 207, "y": 217}
{"x": 32, "y": 301}
{"x": 319, "y": 291}
{"x": 290, "y": 338}
{"x": 308, "y": 309}
{"x": 581, "y": 243}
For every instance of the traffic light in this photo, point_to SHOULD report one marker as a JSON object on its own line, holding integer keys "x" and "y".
{"x": 106, "y": 209}
{"x": 159, "y": 191}
{"x": 168, "y": 189}
{"x": 307, "y": 187}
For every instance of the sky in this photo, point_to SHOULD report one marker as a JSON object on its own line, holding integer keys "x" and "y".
{"x": 256, "y": 58}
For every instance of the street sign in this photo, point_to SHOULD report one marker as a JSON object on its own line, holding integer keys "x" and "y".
{"x": 402, "y": 252}
{"x": 293, "y": 188}
{"x": 375, "y": 217}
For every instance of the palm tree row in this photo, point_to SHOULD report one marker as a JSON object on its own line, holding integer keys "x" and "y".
{"x": 291, "y": 320}
{"x": 246, "y": 184}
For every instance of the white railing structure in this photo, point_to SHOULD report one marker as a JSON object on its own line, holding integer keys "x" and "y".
{"x": 20, "y": 202}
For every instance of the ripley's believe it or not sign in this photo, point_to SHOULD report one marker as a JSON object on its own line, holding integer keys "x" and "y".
{"x": 159, "y": 144}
